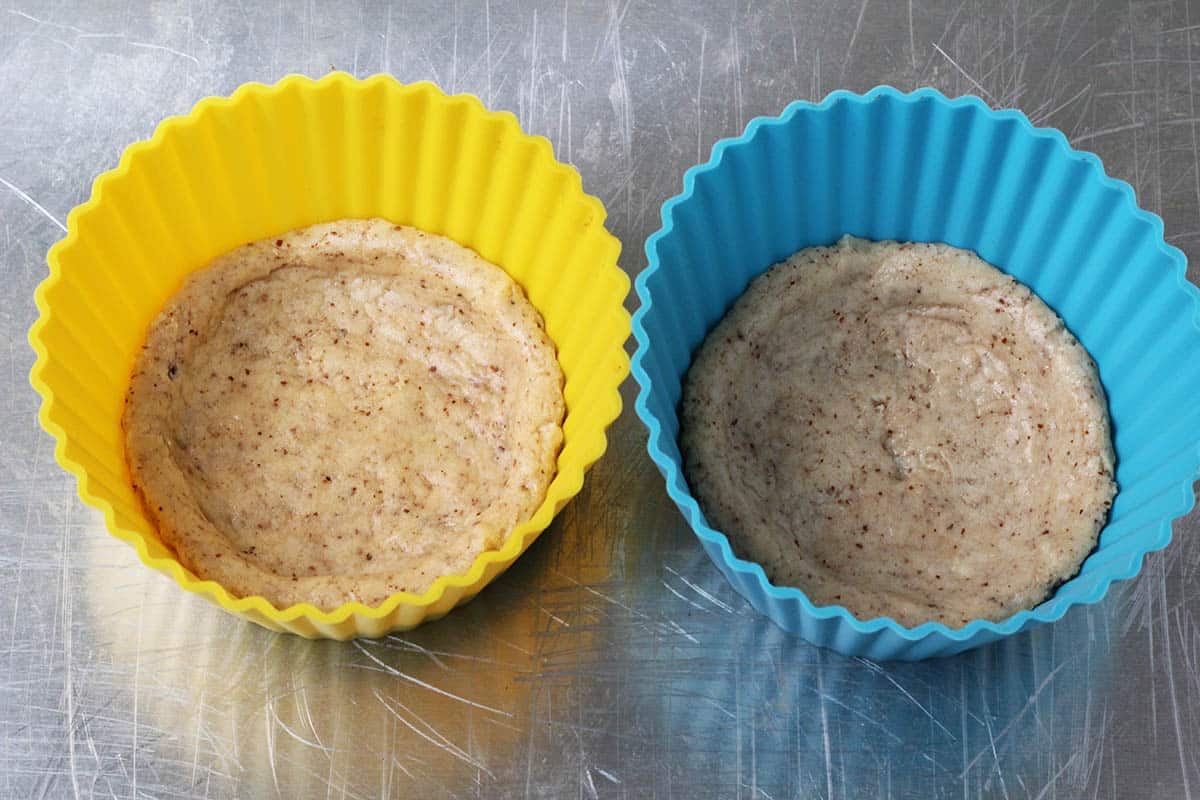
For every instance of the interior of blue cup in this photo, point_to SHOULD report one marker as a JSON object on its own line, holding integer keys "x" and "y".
{"x": 920, "y": 167}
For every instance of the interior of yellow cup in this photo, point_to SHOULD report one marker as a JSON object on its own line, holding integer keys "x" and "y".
{"x": 273, "y": 158}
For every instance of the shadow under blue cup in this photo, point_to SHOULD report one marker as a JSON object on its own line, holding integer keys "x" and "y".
{"x": 921, "y": 167}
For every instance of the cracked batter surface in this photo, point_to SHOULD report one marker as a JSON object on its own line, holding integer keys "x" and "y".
{"x": 900, "y": 429}
{"x": 341, "y": 413}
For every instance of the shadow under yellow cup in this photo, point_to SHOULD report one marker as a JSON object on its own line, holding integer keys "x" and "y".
{"x": 269, "y": 159}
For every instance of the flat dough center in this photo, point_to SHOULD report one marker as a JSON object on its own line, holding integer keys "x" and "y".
{"x": 362, "y": 406}
{"x": 900, "y": 429}
{"x": 348, "y": 411}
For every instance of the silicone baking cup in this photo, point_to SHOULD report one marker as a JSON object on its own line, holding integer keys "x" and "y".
{"x": 272, "y": 158}
{"x": 921, "y": 167}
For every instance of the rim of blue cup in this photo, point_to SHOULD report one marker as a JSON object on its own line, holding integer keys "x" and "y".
{"x": 1048, "y": 611}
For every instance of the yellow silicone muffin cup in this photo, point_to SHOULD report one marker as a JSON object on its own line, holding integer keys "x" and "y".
{"x": 272, "y": 158}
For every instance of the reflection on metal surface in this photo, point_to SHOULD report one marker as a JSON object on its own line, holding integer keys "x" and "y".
{"x": 612, "y": 660}
{"x": 592, "y": 675}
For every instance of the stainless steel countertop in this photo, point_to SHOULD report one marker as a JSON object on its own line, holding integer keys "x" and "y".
{"x": 612, "y": 660}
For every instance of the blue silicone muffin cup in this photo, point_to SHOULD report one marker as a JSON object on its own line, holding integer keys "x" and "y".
{"x": 921, "y": 167}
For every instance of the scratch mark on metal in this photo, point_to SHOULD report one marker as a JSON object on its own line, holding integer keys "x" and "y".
{"x": 197, "y": 737}
{"x": 862, "y": 12}
{"x": 701, "y": 591}
{"x": 691, "y": 603}
{"x": 962, "y": 705}
{"x": 270, "y": 732}
{"x": 290, "y": 732}
{"x": 387, "y": 41}
{"x": 1016, "y": 717}
{"x": 564, "y": 33}
{"x": 405, "y": 644}
{"x": 738, "y": 103}
{"x": 440, "y": 742}
{"x": 35, "y": 204}
{"x": 826, "y": 745}
{"x": 533, "y": 77}
{"x": 964, "y": 73}
{"x": 165, "y": 49}
{"x": 861, "y": 715}
{"x": 878, "y": 670}
{"x": 619, "y": 97}
{"x": 487, "y": 35}
{"x": 556, "y": 618}
{"x": 1192, "y": 107}
{"x": 945, "y": 31}
{"x": 987, "y": 722}
{"x": 912, "y": 43}
{"x": 699, "y": 94}
{"x": 1041, "y": 120}
{"x": 1182, "y": 743}
{"x": 395, "y": 642}
{"x": 795, "y": 46}
{"x": 68, "y": 664}
{"x": 602, "y": 596}
{"x": 608, "y": 776}
{"x": 679, "y": 629}
{"x": 815, "y": 90}
{"x": 32, "y": 18}
{"x": 1054, "y": 780}
{"x": 393, "y": 671}
{"x": 1137, "y": 173}
{"x": 137, "y": 681}
{"x": 1106, "y": 132}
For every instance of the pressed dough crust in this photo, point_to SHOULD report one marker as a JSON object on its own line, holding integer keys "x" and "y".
{"x": 344, "y": 412}
{"x": 900, "y": 429}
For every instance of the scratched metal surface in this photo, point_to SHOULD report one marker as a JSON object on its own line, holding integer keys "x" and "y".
{"x": 612, "y": 661}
